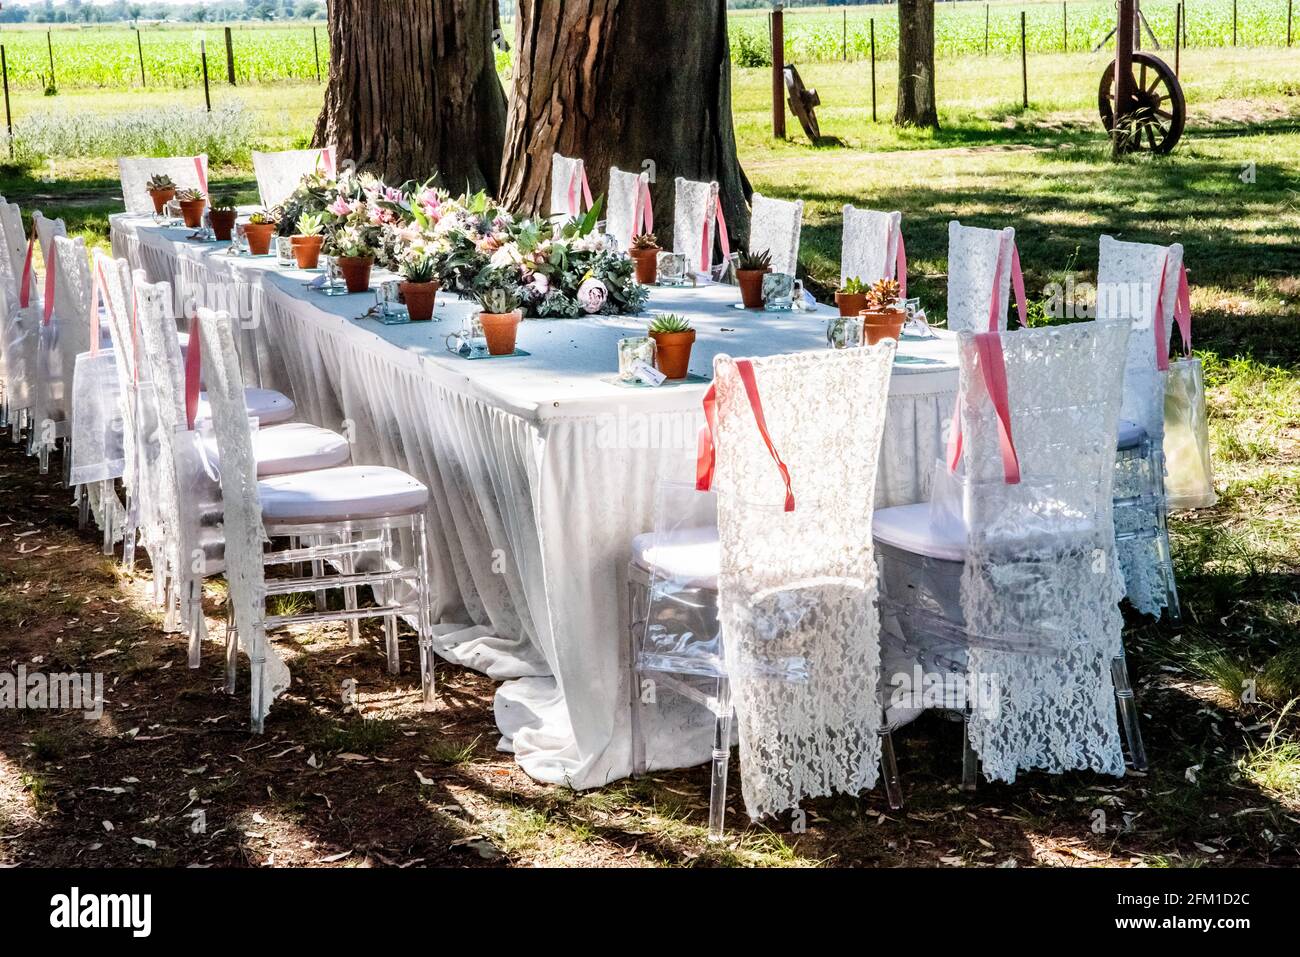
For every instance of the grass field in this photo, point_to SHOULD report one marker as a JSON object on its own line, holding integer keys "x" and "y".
{"x": 1224, "y": 785}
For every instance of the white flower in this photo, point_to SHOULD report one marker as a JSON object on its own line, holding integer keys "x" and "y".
{"x": 592, "y": 295}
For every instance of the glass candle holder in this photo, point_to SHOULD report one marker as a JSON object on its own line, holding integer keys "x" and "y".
{"x": 284, "y": 251}
{"x": 778, "y": 289}
{"x": 671, "y": 268}
{"x": 631, "y": 352}
{"x": 844, "y": 332}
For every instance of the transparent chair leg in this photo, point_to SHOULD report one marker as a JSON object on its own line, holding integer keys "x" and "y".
{"x": 635, "y": 597}
{"x": 721, "y": 758}
{"x": 349, "y": 565}
{"x": 196, "y": 622}
{"x": 232, "y": 651}
{"x": 108, "y": 502}
{"x": 970, "y": 761}
{"x": 256, "y": 677}
{"x": 43, "y": 456}
{"x": 318, "y": 572}
{"x": 1128, "y": 712}
{"x": 889, "y": 771}
{"x": 388, "y": 595}
{"x": 424, "y": 620}
{"x": 83, "y": 509}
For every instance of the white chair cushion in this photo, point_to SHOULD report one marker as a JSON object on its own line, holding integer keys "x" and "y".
{"x": 350, "y": 493}
{"x": 1131, "y": 435}
{"x": 689, "y": 555}
{"x": 266, "y": 405}
{"x": 292, "y": 447}
{"x": 908, "y": 527}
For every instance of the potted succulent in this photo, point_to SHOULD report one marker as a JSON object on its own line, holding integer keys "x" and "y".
{"x": 259, "y": 229}
{"x": 749, "y": 274}
{"x": 500, "y": 316}
{"x": 354, "y": 250}
{"x": 884, "y": 315}
{"x": 645, "y": 253}
{"x": 307, "y": 243}
{"x": 419, "y": 286}
{"x": 193, "y": 202}
{"x": 673, "y": 336}
{"x": 223, "y": 215}
{"x": 852, "y": 297}
{"x": 161, "y": 190}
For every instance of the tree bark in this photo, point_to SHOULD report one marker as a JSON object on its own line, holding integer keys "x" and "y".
{"x": 916, "y": 105}
{"x": 637, "y": 84}
{"x": 413, "y": 90}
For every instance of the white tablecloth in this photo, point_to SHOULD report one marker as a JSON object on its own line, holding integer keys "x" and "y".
{"x": 541, "y": 470}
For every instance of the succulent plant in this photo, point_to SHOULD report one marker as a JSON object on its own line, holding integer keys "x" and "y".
{"x": 853, "y": 286}
{"x": 883, "y": 294}
{"x": 160, "y": 181}
{"x": 418, "y": 268}
{"x": 190, "y": 195}
{"x": 311, "y": 224}
{"x": 670, "y": 322}
{"x": 261, "y": 218}
{"x": 498, "y": 298}
{"x": 761, "y": 260}
{"x": 645, "y": 241}
{"x": 223, "y": 205}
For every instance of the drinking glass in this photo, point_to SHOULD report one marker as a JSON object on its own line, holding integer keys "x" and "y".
{"x": 844, "y": 332}
{"x": 632, "y": 351}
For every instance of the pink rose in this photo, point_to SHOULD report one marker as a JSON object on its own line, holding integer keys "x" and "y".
{"x": 592, "y": 295}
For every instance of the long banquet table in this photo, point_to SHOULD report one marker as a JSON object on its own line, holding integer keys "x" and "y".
{"x": 540, "y": 470}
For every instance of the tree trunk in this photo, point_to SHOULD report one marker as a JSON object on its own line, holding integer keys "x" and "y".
{"x": 413, "y": 90}
{"x": 916, "y": 64}
{"x": 637, "y": 84}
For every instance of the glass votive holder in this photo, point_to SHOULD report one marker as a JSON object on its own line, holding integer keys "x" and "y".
{"x": 284, "y": 251}
{"x": 844, "y": 332}
{"x": 671, "y": 268}
{"x": 778, "y": 290}
{"x": 633, "y": 352}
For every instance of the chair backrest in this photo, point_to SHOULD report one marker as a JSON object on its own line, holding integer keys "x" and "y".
{"x": 625, "y": 213}
{"x": 797, "y": 589}
{"x": 187, "y": 172}
{"x": 13, "y": 245}
{"x": 695, "y": 209}
{"x": 979, "y": 268}
{"x": 1129, "y": 280}
{"x": 72, "y": 291}
{"x": 279, "y": 173}
{"x": 46, "y": 230}
{"x": 242, "y": 523}
{"x": 774, "y": 226}
{"x": 567, "y": 178}
{"x": 869, "y": 247}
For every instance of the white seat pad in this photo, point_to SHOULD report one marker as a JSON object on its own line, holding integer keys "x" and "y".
{"x": 353, "y": 492}
{"x": 908, "y": 527}
{"x": 688, "y": 556}
{"x": 1131, "y": 435}
{"x": 266, "y": 405}
{"x": 292, "y": 447}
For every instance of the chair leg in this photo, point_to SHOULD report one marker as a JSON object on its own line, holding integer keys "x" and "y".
{"x": 198, "y": 625}
{"x": 232, "y": 651}
{"x": 350, "y": 592}
{"x": 970, "y": 761}
{"x": 721, "y": 758}
{"x": 83, "y": 509}
{"x": 634, "y": 593}
{"x": 1128, "y": 711}
{"x": 889, "y": 771}
{"x": 318, "y": 572}
{"x": 424, "y": 620}
{"x": 388, "y": 597}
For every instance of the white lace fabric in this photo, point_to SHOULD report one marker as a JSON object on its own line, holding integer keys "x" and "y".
{"x": 774, "y": 226}
{"x": 974, "y": 255}
{"x": 797, "y": 590}
{"x": 17, "y": 338}
{"x": 566, "y": 186}
{"x": 869, "y": 247}
{"x": 136, "y": 171}
{"x": 242, "y": 525}
{"x": 695, "y": 207}
{"x": 279, "y": 173}
{"x": 1041, "y": 558}
{"x": 621, "y": 205}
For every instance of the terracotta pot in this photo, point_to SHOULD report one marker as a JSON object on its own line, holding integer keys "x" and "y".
{"x": 850, "y": 303}
{"x": 751, "y": 286}
{"x": 192, "y": 212}
{"x": 878, "y": 324}
{"x": 223, "y": 223}
{"x": 259, "y": 237}
{"x": 161, "y": 197}
{"x": 306, "y": 250}
{"x": 356, "y": 272}
{"x": 647, "y": 264}
{"x": 673, "y": 352}
{"x": 500, "y": 329}
{"x": 419, "y": 299}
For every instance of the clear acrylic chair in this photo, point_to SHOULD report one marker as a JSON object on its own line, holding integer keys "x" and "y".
{"x": 1020, "y": 591}
{"x": 695, "y": 215}
{"x": 49, "y": 426}
{"x": 774, "y": 225}
{"x": 628, "y": 212}
{"x": 569, "y": 187}
{"x": 869, "y": 245}
{"x": 1133, "y": 280}
{"x": 358, "y": 518}
{"x": 187, "y": 172}
{"x": 793, "y": 592}
{"x": 979, "y": 268}
{"x": 17, "y": 335}
{"x": 279, "y": 173}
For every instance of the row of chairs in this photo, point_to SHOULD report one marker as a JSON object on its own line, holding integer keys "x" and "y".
{"x": 149, "y": 419}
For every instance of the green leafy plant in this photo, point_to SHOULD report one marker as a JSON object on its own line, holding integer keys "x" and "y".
{"x": 261, "y": 218}
{"x": 418, "y": 269}
{"x": 760, "y": 261}
{"x": 645, "y": 241}
{"x": 853, "y": 286}
{"x": 311, "y": 224}
{"x": 160, "y": 181}
{"x": 190, "y": 195}
{"x": 670, "y": 322}
{"x": 223, "y": 205}
{"x": 883, "y": 294}
{"x": 498, "y": 298}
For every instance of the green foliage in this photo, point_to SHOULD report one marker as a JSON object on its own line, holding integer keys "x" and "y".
{"x": 670, "y": 322}
{"x": 853, "y": 286}
{"x": 761, "y": 260}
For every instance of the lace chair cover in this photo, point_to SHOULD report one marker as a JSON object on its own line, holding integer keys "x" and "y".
{"x": 869, "y": 248}
{"x": 695, "y": 207}
{"x": 622, "y": 205}
{"x": 974, "y": 258}
{"x": 53, "y": 380}
{"x": 114, "y": 277}
{"x": 278, "y": 174}
{"x": 242, "y": 525}
{"x": 17, "y": 334}
{"x": 797, "y": 590}
{"x": 774, "y": 225}
{"x": 155, "y": 484}
{"x": 13, "y": 237}
{"x": 1041, "y": 553}
{"x": 566, "y": 186}
{"x": 136, "y": 171}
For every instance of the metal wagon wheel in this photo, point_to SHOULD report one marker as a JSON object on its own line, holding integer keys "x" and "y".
{"x": 1155, "y": 119}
